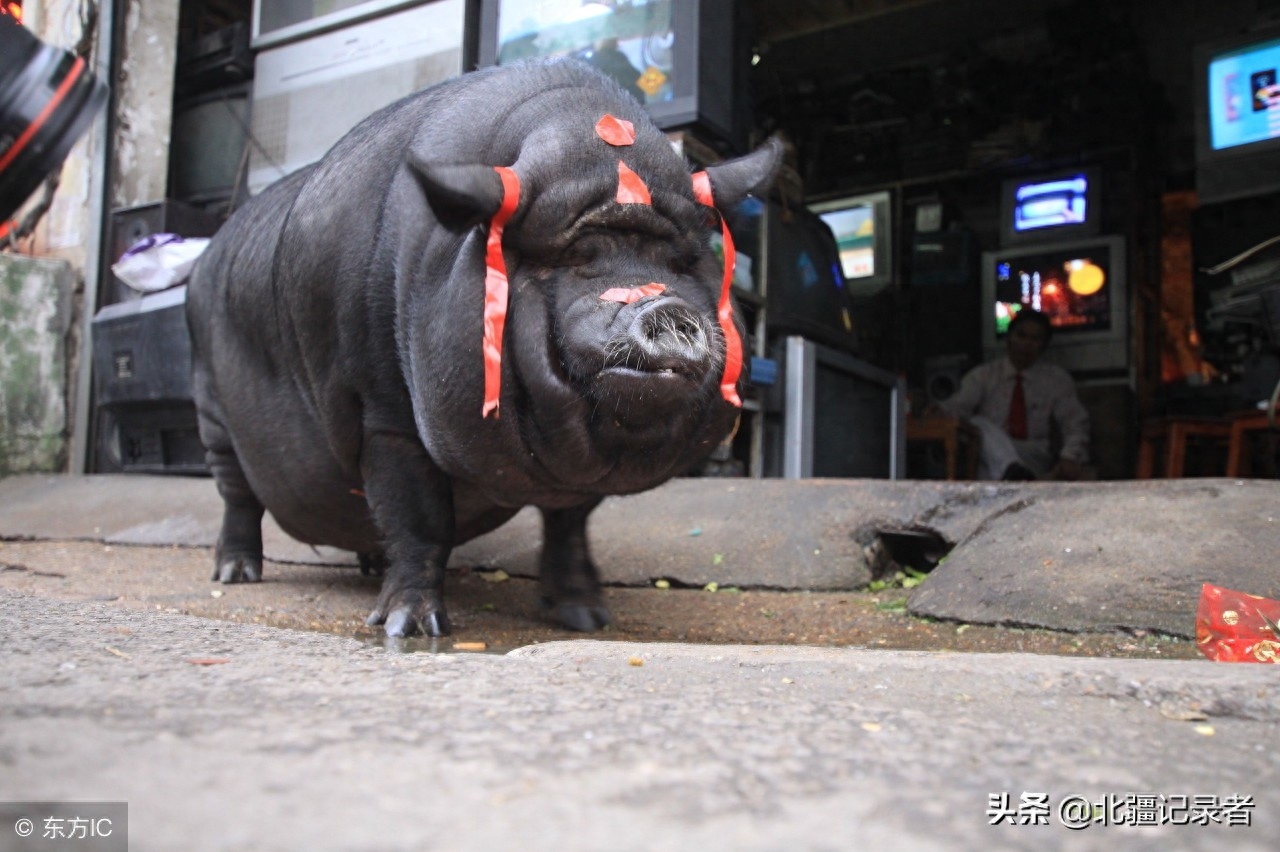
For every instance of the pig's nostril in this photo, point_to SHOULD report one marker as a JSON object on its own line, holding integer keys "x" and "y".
{"x": 673, "y": 328}
{"x": 671, "y": 337}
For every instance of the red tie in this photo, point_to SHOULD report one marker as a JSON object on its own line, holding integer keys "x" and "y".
{"x": 1018, "y": 410}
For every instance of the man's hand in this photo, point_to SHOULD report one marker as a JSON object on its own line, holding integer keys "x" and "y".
{"x": 1068, "y": 470}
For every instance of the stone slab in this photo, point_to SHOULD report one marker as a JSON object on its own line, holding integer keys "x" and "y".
{"x": 1103, "y": 556}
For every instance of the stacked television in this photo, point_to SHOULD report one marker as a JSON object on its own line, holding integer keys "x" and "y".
{"x": 680, "y": 58}
{"x": 1053, "y": 260}
{"x": 1238, "y": 116}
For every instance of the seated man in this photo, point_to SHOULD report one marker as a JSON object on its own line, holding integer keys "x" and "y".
{"x": 1013, "y": 400}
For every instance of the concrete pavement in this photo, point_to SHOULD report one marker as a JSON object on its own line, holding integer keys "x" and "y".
{"x": 1065, "y": 556}
{"x": 224, "y": 736}
{"x": 232, "y": 736}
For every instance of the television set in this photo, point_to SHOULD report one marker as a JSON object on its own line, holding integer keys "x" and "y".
{"x": 1079, "y": 285}
{"x": 842, "y": 417}
{"x": 677, "y": 57}
{"x": 1050, "y": 207}
{"x": 799, "y": 281}
{"x": 1237, "y": 94}
{"x": 863, "y": 228}
{"x": 207, "y": 143}
{"x": 278, "y": 22}
{"x": 308, "y": 93}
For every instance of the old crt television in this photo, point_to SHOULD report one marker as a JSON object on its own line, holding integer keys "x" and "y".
{"x": 677, "y": 57}
{"x": 1051, "y": 207}
{"x": 805, "y": 290}
{"x": 1237, "y": 92}
{"x": 842, "y": 417}
{"x": 278, "y": 21}
{"x": 862, "y": 225}
{"x": 1079, "y": 285}
{"x": 308, "y": 92}
{"x": 207, "y": 145}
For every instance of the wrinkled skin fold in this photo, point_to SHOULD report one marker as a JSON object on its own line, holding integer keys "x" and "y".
{"x": 336, "y": 322}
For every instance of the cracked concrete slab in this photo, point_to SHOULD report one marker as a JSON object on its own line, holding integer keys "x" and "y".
{"x": 749, "y": 533}
{"x": 1079, "y": 556}
{"x": 1127, "y": 555}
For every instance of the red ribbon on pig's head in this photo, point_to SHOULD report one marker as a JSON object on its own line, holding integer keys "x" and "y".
{"x": 495, "y": 291}
{"x": 724, "y": 311}
{"x": 631, "y": 190}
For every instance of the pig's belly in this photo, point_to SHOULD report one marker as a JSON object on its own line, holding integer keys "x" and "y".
{"x": 317, "y": 499}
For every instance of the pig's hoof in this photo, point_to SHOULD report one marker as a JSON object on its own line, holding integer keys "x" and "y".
{"x": 584, "y": 618}
{"x": 406, "y": 621}
{"x": 238, "y": 569}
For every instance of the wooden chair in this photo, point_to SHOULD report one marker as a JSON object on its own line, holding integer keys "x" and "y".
{"x": 1239, "y": 445}
{"x": 955, "y": 435}
{"x": 1174, "y": 434}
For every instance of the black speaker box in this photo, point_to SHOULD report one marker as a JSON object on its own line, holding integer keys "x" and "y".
{"x": 145, "y": 416}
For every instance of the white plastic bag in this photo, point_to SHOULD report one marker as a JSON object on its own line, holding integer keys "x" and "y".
{"x": 159, "y": 261}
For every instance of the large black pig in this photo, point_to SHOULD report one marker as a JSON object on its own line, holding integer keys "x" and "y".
{"x": 494, "y": 293}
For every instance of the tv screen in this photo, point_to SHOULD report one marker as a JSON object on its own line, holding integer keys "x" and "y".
{"x": 1080, "y": 285}
{"x": 1070, "y": 286}
{"x": 1244, "y": 95}
{"x": 1053, "y": 206}
{"x": 677, "y": 57}
{"x": 861, "y": 227}
{"x": 1237, "y": 104}
{"x": 635, "y": 44}
{"x": 207, "y": 142}
{"x": 855, "y": 232}
{"x": 1048, "y": 204}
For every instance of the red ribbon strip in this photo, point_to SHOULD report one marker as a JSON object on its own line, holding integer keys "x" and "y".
{"x": 495, "y": 291}
{"x": 634, "y": 294}
{"x": 631, "y": 188}
{"x": 724, "y": 311}
{"x": 616, "y": 131}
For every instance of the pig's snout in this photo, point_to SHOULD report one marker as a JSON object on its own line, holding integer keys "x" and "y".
{"x": 667, "y": 334}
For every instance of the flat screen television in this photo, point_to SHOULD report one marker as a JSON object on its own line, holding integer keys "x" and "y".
{"x": 1237, "y": 92}
{"x": 1050, "y": 207}
{"x": 842, "y": 416}
{"x": 677, "y": 57}
{"x": 1079, "y": 285}
{"x": 863, "y": 228}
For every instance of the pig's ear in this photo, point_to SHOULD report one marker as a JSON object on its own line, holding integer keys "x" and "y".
{"x": 460, "y": 195}
{"x": 734, "y": 180}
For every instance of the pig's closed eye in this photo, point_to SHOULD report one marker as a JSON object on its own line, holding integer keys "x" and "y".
{"x": 683, "y": 264}
{"x": 577, "y": 255}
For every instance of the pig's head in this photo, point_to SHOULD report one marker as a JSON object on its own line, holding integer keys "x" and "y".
{"x": 621, "y": 353}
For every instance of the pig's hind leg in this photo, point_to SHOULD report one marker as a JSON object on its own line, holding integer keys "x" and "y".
{"x": 239, "y": 553}
{"x": 569, "y": 580}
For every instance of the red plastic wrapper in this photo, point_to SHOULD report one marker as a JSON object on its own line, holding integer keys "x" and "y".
{"x": 1235, "y": 627}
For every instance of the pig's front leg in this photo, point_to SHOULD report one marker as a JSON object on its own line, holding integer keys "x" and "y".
{"x": 412, "y": 504}
{"x": 568, "y": 578}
